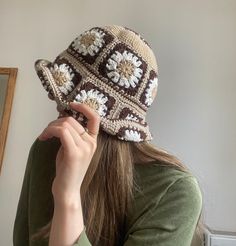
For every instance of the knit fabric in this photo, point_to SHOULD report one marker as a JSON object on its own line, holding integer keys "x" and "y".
{"x": 113, "y": 70}
{"x": 165, "y": 208}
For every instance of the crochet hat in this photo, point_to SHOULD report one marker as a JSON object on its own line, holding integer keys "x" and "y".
{"x": 114, "y": 71}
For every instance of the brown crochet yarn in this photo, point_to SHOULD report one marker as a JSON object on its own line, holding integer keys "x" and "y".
{"x": 114, "y": 71}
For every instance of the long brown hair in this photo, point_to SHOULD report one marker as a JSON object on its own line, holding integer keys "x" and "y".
{"x": 108, "y": 187}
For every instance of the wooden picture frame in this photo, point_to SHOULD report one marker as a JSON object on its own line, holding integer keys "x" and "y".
{"x": 7, "y": 95}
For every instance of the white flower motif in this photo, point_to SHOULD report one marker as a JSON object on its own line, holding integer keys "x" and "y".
{"x": 132, "y": 135}
{"x": 63, "y": 76}
{"x": 95, "y": 99}
{"x": 151, "y": 91}
{"x": 123, "y": 68}
{"x": 89, "y": 42}
{"x": 131, "y": 117}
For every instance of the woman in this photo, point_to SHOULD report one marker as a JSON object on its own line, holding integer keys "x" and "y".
{"x": 92, "y": 176}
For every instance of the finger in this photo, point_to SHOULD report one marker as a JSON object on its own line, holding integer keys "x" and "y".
{"x": 64, "y": 135}
{"x": 65, "y": 124}
{"x": 92, "y": 116}
{"x": 78, "y": 128}
{"x": 73, "y": 122}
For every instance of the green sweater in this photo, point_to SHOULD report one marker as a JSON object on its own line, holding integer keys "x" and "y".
{"x": 165, "y": 213}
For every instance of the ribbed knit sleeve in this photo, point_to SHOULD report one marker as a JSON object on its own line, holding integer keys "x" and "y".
{"x": 83, "y": 239}
{"x": 21, "y": 226}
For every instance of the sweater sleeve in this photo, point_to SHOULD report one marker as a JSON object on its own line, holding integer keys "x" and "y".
{"x": 83, "y": 239}
{"x": 172, "y": 220}
{"x": 21, "y": 227}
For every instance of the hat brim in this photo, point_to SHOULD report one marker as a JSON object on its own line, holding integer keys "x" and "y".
{"x": 43, "y": 69}
{"x": 122, "y": 128}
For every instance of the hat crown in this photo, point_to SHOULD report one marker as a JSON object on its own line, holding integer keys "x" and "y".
{"x": 136, "y": 42}
{"x": 112, "y": 69}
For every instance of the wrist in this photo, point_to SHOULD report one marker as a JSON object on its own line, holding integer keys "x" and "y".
{"x": 67, "y": 222}
{"x": 69, "y": 206}
{"x": 68, "y": 201}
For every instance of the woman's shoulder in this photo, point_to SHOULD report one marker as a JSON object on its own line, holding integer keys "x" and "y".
{"x": 166, "y": 200}
{"x": 50, "y": 143}
{"x": 161, "y": 175}
{"x": 42, "y": 152}
{"x": 46, "y": 149}
{"x": 158, "y": 182}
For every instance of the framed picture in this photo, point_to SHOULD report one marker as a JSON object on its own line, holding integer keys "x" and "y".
{"x": 7, "y": 87}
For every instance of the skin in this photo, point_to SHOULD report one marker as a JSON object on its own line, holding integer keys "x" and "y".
{"x": 72, "y": 162}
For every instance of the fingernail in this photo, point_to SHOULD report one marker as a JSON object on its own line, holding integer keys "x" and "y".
{"x": 75, "y": 103}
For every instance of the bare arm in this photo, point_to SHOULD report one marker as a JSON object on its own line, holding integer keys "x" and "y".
{"x": 72, "y": 161}
{"x": 67, "y": 223}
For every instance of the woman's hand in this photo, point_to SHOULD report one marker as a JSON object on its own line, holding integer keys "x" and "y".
{"x": 75, "y": 153}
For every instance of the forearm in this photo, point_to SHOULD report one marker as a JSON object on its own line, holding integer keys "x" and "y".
{"x": 67, "y": 223}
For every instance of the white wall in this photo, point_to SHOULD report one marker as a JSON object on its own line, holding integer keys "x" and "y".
{"x": 193, "y": 115}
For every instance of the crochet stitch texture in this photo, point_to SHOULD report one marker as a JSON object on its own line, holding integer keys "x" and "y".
{"x": 114, "y": 71}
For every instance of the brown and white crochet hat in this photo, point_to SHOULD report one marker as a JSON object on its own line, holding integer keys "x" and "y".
{"x": 114, "y": 71}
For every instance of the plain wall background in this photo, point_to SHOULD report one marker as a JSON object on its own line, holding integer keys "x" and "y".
{"x": 193, "y": 115}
